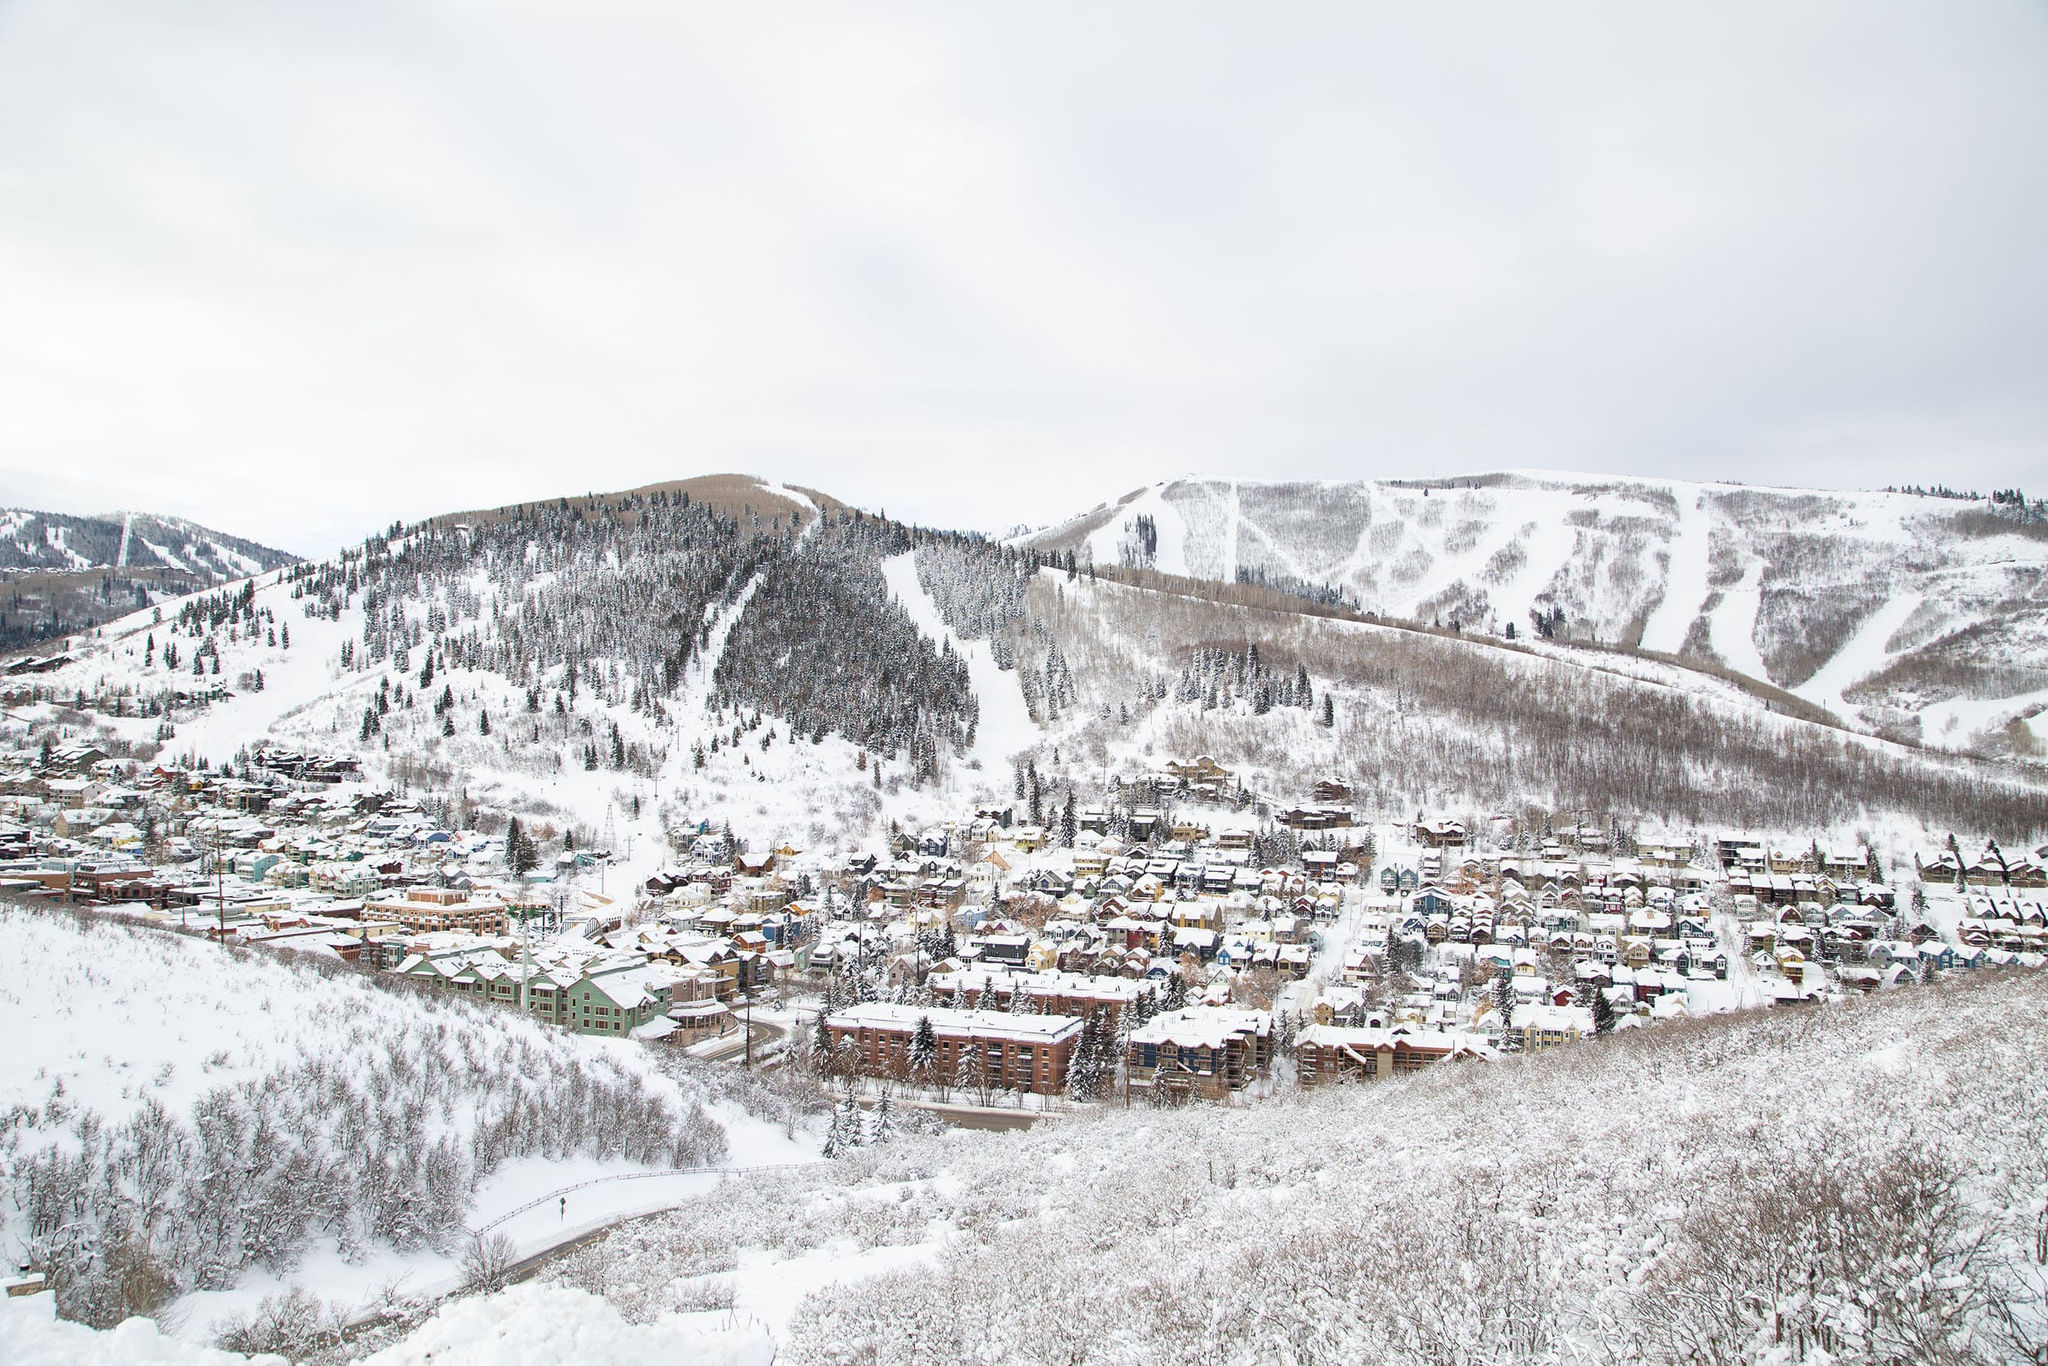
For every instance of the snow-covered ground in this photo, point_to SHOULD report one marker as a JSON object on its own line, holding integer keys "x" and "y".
{"x": 1005, "y": 726}
{"x": 526, "y": 1325}
{"x": 1685, "y": 579}
{"x": 1862, "y": 655}
{"x": 128, "y": 1017}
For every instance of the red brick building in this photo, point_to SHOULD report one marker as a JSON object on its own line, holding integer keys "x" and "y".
{"x": 1045, "y": 993}
{"x": 1003, "y": 1052}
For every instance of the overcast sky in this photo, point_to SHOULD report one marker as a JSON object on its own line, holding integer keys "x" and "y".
{"x": 298, "y": 270}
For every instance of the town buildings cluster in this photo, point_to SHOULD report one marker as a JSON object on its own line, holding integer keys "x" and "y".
{"x": 1176, "y": 942}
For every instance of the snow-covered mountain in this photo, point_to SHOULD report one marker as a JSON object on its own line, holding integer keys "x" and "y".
{"x": 1903, "y": 614}
{"x": 629, "y": 666}
{"x": 137, "y": 540}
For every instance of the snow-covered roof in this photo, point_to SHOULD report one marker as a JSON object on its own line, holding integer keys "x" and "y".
{"x": 1202, "y": 1027}
{"x": 891, "y": 1017}
{"x": 1363, "y": 1038}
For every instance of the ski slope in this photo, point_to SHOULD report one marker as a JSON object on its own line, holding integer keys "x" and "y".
{"x": 1685, "y": 584}
{"x": 1005, "y": 727}
{"x": 1636, "y": 561}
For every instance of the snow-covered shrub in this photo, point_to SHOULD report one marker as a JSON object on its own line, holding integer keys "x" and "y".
{"x": 338, "y": 1111}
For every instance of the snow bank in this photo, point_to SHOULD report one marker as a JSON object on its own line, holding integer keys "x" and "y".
{"x": 31, "y": 1334}
{"x": 528, "y": 1325}
{"x": 543, "y": 1325}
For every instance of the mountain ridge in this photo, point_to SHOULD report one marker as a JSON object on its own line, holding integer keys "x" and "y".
{"x": 1907, "y": 614}
{"x": 32, "y": 539}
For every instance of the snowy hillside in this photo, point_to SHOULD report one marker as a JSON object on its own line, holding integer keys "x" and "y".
{"x": 193, "y": 1126}
{"x": 1122, "y": 678}
{"x": 1857, "y": 1182}
{"x": 1871, "y": 1175}
{"x": 619, "y": 669}
{"x": 1903, "y": 614}
{"x": 627, "y": 669}
{"x": 138, "y": 540}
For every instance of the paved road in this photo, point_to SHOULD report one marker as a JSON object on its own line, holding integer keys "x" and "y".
{"x": 766, "y": 1035}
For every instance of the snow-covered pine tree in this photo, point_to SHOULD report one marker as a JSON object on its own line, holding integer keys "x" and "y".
{"x": 844, "y": 1134}
{"x": 881, "y": 1124}
{"x": 1084, "y": 1070}
{"x": 924, "y": 1049}
{"x": 821, "y": 1047}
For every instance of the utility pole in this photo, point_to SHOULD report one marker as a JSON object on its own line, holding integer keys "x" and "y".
{"x": 747, "y": 1059}
{"x": 220, "y": 882}
{"x": 525, "y": 964}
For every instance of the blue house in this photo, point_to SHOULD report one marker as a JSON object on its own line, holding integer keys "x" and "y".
{"x": 1433, "y": 901}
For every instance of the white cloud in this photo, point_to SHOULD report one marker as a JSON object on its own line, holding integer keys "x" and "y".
{"x": 980, "y": 264}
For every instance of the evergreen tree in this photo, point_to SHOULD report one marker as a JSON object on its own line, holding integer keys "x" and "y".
{"x": 1504, "y": 1006}
{"x": 845, "y": 1134}
{"x": 520, "y": 853}
{"x": 1084, "y": 1072}
{"x": 821, "y": 1046}
{"x": 924, "y": 1048}
{"x": 1603, "y": 1012}
{"x": 881, "y": 1120}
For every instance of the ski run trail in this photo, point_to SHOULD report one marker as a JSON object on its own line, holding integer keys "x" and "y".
{"x": 1685, "y": 581}
{"x": 1005, "y": 726}
{"x": 1862, "y": 655}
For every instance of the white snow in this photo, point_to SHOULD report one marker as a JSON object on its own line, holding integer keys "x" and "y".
{"x": 1862, "y": 655}
{"x": 31, "y": 1334}
{"x": 552, "y": 1325}
{"x": 797, "y": 496}
{"x": 768, "y": 1289}
{"x": 1005, "y": 727}
{"x": 1685, "y": 582}
{"x": 131, "y": 1016}
{"x": 526, "y": 1325}
{"x": 1733, "y": 625}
